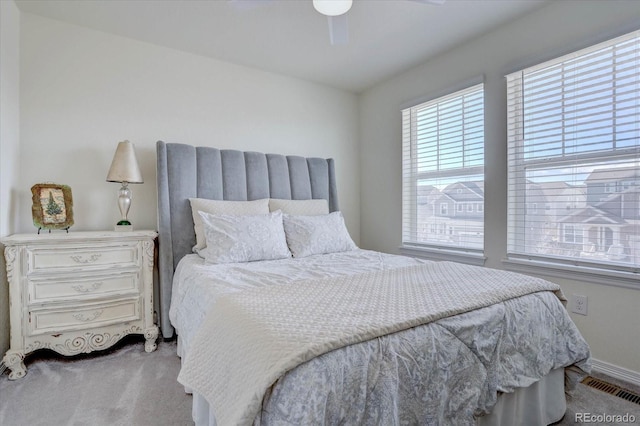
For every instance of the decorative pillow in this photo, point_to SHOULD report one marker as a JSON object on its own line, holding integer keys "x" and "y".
{"x": 232, "y": 239}
{"x": 235, "y": 208}
{"x": 307, "y": 235}
{"x": 299, "y": 207}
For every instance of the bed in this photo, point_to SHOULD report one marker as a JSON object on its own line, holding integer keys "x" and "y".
{"x": 322, "y": 332}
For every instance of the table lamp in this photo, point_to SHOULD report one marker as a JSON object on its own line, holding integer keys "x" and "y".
{"x": 125, "y": 170}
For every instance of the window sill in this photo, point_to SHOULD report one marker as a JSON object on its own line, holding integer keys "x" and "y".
{"x": 576, "y": 273}
{"x": 439, "y": 254}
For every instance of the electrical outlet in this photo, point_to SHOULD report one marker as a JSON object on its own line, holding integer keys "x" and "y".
{"x": 579, "y": 304}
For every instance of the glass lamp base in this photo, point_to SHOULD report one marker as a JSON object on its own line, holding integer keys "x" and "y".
{"x": 124, "y": 222}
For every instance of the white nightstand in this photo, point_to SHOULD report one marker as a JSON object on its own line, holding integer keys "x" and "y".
{"x": 78, "y": 292}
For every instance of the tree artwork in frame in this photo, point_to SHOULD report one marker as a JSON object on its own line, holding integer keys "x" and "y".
{"x": 52, "y": 206}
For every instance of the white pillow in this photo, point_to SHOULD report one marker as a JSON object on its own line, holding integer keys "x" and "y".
{"x": 232, "y": 239}
{"x": 235, "y": 208}
{"x": 299, "y": 207}
{"x": 307, "y": 235}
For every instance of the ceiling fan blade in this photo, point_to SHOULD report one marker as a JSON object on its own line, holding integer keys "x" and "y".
{"x": 338, "y": 29}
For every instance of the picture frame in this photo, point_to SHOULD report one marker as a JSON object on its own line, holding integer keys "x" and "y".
{"x": 52, "y": 206}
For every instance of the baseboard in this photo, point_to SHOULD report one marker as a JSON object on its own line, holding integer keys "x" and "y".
{"x": 616, "y": 372}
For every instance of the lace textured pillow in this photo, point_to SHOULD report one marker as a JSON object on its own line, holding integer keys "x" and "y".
{"x": 307, "y": 235}
{"x": 232, "y": 239}
{"x": 236, "y": 208}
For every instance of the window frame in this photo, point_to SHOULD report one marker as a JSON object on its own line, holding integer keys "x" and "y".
{"x": 614, "y": 273}
{"x": 435, "y": 251}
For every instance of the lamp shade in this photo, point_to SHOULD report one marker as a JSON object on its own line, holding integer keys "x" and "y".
{"x": 124, "y": 167}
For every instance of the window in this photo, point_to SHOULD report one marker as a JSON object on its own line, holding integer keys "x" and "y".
{"x": 572, "y": 234}
{"x": 610, "y": 187}
{"x": 574, "y": 141}
{"x": 442, "y": 166}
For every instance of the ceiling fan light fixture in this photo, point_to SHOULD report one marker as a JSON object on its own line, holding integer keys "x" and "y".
{"x": 332, "y": 7}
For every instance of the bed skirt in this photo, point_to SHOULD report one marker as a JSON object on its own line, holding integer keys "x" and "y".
{"x": 542, "y": 403}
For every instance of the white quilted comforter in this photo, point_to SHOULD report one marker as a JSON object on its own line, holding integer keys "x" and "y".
{"x": 428, "y": 343}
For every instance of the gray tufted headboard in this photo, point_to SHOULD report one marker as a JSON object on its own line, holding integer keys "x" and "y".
{"x": 185, "y": 171}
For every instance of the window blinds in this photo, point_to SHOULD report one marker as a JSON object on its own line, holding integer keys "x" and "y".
{"x": 443, "y": 171}
{"x": 574, "y": 157}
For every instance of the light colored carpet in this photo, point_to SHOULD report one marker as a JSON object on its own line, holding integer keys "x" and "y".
{"x": 121, "y": 386}
{"x": 127, "y": 386}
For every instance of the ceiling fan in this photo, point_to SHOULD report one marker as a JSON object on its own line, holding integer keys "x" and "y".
{"x": 336, "y": 11}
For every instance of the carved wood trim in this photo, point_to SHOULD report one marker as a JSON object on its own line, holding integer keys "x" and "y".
{"x": 83, "y": 260}
{"x": 86, "y": 343}
{"x": 10, "y": 254}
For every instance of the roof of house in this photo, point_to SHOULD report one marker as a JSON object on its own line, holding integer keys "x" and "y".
{"x": 427, "y": 194}
{"x": 424, "y": 190}
{"x": 554, "y": 189}
{"x": 591, "y": 215}
{"x": 613, "y": 174}
{"x": 474, "y": 191}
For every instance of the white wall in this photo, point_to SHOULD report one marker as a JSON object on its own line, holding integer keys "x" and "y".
{"x": 612, "y": 327}
{"x": 83, "y": 91}
{"x": 9, "y": 143}
{"x": 9, "y": 112}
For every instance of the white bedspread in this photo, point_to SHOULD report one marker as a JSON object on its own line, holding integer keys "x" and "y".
{"x": 197, "y": 285}
{"x": 252, "y": 337}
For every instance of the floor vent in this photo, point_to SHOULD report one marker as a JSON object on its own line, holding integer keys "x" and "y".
{"x": 612, "y": 389}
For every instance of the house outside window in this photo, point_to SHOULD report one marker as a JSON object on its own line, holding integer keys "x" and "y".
{"x": 443, "y": 171}
{"x": 574, "y": 143}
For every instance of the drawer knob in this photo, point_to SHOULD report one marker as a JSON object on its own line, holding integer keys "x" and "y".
{"x": 82, "y": 259}
{"x": 81, "y": 288}
{"x": 91, "y": 317}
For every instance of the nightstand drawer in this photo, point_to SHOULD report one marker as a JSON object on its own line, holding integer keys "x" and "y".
{"x": 83, "y": 317}
{"x": 51, "y": 259}
{"x": 82, "y": 288}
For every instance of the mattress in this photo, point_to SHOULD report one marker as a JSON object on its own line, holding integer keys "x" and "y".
{"x": 449, "y": 370}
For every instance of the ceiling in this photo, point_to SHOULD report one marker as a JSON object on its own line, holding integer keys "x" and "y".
{"x": 289, "y": 37}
